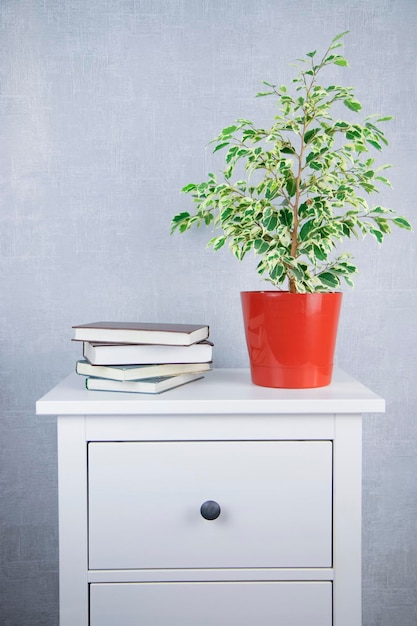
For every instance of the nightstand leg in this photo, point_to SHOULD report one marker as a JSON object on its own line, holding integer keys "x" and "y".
{"x": 72, "y": 507}
{"x": 347, "y": 521}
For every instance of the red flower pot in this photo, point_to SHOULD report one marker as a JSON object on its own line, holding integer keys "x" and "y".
{"x": 291, "y": 338}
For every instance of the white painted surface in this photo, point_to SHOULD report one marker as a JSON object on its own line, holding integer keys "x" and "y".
{"x": 277, "y": 557}
{"x": 220, "y": 391}
{"x": 347, "y": 521}
{"x": 275, "y": 499}
{"x": 72, "y": 502}
{"x": 212, "y": 604}
{"x": 210, "y": 575}
{"x": 213, "y": 427}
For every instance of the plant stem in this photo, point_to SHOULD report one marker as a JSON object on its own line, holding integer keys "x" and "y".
{"x": 300, "y": 157}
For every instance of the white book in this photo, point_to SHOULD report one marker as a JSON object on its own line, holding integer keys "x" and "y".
{"x": 142, "y": 354}
{"x": 138, "y": 372}
{"x": 157, "y": 384}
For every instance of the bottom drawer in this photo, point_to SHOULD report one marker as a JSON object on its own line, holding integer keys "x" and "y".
{"x": 211, "y": 603}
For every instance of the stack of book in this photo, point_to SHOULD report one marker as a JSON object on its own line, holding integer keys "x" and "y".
{"x": 142, "y": 357}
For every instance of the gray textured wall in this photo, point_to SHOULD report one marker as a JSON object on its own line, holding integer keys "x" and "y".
{"x": 105, "y": 107}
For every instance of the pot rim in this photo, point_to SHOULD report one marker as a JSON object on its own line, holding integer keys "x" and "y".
{"x": 282, "y": 292}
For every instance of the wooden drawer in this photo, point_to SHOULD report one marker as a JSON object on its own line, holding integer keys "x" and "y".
{"x": 145, "y": 499}
{"x": 208, "y": 604}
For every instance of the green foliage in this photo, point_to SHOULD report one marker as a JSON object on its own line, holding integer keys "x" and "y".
{"x": 306, "y": 186}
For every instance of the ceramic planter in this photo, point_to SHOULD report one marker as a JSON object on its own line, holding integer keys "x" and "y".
{"x": 291, "y": 338}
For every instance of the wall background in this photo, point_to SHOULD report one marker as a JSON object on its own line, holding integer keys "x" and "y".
{"x": 105, "y": 109}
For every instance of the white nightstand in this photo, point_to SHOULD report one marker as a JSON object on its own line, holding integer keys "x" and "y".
{"x": 279, "y": 471}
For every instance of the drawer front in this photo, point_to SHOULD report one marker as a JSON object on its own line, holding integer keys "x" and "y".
{"x": 208, "y": 604}
{"x": 145, "y": 498}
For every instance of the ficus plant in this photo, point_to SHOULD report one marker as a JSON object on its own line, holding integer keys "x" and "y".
{"x": 293, "y": 192}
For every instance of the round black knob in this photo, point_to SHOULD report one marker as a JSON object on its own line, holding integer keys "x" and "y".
{"x": 210, "y": 510}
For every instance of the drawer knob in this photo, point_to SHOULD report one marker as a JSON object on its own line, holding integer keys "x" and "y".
{"x": 210, "y": 510}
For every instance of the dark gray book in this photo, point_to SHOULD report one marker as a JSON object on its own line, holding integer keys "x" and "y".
{"x": 141, "y": 332}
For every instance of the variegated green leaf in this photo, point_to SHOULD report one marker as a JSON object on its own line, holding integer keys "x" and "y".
{"x": 291, "y": 192}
